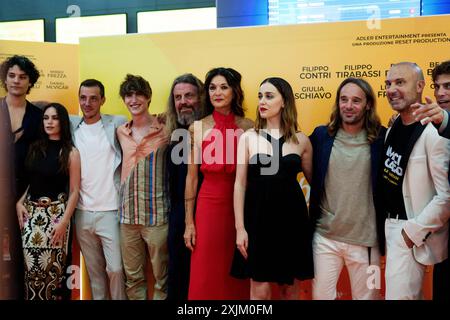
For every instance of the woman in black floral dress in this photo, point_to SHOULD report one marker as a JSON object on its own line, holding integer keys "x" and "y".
{"x": 45, "y": 209}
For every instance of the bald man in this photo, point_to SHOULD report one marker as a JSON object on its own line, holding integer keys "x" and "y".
{"x": 414, "y": 188}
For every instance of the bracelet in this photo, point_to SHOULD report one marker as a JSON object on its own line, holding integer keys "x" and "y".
{"x": 189, "y": 199}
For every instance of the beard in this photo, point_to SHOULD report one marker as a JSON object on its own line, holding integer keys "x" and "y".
{"x": 187, "y": 118}
{"x": 355, "y": 119}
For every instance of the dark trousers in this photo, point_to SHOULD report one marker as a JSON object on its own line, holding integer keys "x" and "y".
{"x": 179, "y": 259}
{"x": 441, "y": 280}
{"x": 12, "y": 268}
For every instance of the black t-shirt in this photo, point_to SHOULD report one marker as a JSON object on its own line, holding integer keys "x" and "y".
{"x": 393, "y": 169}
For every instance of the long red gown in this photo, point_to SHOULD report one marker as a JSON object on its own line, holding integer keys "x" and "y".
{"x": 214, "y": 218}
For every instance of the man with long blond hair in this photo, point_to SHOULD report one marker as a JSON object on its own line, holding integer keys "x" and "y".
{"x": 342, "y": 203}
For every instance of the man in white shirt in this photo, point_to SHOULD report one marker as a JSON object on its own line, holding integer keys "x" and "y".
{"x": 96, "y": 218}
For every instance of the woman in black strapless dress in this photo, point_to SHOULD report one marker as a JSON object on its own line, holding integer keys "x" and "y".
{"x": 273, "y": 230}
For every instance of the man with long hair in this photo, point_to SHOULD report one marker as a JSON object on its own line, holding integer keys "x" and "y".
{"x": 342, "y": 203}
{"x": 183, "y": 108}
{"x": 415, "y": 193}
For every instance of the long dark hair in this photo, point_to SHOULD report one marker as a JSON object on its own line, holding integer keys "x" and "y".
{"x": 39, "y": 147}
{"x": 234, "y": 81}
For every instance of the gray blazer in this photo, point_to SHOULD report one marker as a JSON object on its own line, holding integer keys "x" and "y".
{"x": 110, "y": 123}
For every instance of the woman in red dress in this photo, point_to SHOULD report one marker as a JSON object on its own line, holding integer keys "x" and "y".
{"x": 212, "y": 236}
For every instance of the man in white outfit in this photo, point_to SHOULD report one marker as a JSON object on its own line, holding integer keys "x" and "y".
{"x": 414, "y": 188}
{"x": 343, "y": 200}
{"x": 96, "y": 218}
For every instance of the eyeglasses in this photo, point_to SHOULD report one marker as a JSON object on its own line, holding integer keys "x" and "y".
{"x": 436, "y": 86}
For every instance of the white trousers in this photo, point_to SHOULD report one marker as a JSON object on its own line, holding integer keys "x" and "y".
{"x": 330, "y": 256}
{"x": 404, "y": 275}
{"x": 99, "y": 238}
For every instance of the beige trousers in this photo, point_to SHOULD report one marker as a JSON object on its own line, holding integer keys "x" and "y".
{"x": 135, "y": 241}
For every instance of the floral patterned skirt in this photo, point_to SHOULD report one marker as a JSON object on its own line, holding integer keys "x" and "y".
{"x": 45, "y": 263}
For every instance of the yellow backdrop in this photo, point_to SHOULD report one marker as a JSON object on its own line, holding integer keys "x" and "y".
{"x": 58, "y": 65}
{"x": 314, "y": 58}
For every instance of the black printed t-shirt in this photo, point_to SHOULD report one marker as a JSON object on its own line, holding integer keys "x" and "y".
{"x": 393, "y": 169}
